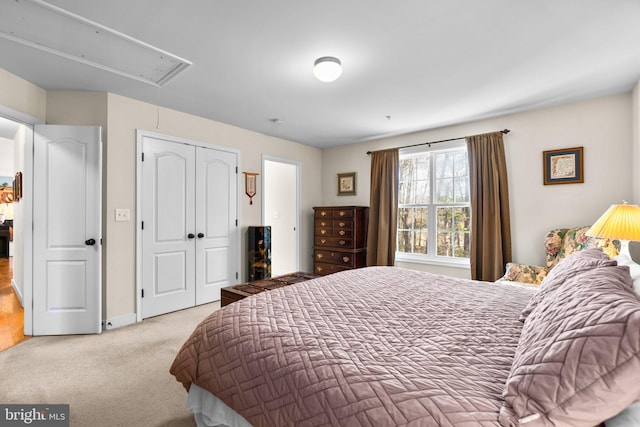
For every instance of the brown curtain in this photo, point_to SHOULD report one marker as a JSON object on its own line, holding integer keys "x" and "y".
{"x": 383, "y": 207}
{"x": 490, "y": 220}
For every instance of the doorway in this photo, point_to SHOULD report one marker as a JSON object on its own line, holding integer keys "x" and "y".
{"x": 22, "y": 250}
{"x": 281, "y": 211}
{"x": 12, "y": 135}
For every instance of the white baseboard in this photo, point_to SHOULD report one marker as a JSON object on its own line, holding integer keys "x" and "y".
{"x": 15, "y": 288}
{"x": 118, "y": 322}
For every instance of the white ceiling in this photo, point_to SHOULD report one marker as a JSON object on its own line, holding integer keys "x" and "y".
{"x": 408, "y": 65}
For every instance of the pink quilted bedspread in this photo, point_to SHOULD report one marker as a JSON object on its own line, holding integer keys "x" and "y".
{"x": 379, "y": 346}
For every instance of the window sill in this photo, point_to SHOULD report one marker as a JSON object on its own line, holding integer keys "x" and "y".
{"x": 440, "y": 261}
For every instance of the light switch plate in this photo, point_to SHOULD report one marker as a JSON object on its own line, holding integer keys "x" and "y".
{"x": 123, "y": 215}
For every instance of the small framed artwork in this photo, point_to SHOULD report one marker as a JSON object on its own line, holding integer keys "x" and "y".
{"x": 7, "y": 189}
{"x": 347, "y": 184}
{"x": 564, "y": 166}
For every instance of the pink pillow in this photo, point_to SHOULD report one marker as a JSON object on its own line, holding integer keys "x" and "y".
{"x": 571, "y": 266}
{"x": 578, "y": 359}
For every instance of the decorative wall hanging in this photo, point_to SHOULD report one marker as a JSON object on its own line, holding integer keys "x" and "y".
{"x": 565, "y": 166}
{"x": 347, "y": 184}
{"x": 17, "y": 187}
{"x": 250, "y": 185}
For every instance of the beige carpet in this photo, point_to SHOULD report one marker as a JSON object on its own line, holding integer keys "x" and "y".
{"x": 118, "y": 378}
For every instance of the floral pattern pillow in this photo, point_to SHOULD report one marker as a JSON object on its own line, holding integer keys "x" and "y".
{"x": 525, "y": 273}
{"x": 559, "y": 243}
{"x": 562, "y": 242}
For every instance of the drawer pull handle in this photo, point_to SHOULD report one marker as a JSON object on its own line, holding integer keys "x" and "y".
{"x": 323, "y": 231}
{"x": 342, "y": 242}
{"x": 323, "y": 213}
{"x": 342, "y": 232}
{"x": 318, "y": 269}
{"x": 324, "y": 224}
{"x": 342, "y": 213}
{"x": 346, "y": 259}
{"x": 342, "y": 224}
{"x": 319, "y": 256}
{"x": 323, "y": 241}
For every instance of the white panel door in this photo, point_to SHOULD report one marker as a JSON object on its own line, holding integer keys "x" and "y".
{"x": 67, "y": 226}
{"x": 168, "y": 236}
{"x": 217, "y": 230}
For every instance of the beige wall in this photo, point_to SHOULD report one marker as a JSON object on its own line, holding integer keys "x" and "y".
{"x": 125, "y": 115}
{"x": 635, "y": 123}
{"x": 80, "y": 108}
{"x": 22, "y": 96}
{"x": 119, "y": 118}
{"x": 19, "y": 225}
{"x": 602, "y": 126}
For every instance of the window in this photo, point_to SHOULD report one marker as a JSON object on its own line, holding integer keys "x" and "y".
{"x": 434, "y": 212}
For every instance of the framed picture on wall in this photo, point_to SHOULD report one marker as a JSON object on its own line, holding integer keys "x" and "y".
{"x": 347, "y": 184}
{"x": 6, "y": 189}
{"x": 565, "y": 166}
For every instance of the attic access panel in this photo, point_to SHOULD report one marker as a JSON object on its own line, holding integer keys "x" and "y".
{"x": 49, "y": 28}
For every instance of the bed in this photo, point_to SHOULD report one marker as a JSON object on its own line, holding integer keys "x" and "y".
{"x": 386, "y": 346}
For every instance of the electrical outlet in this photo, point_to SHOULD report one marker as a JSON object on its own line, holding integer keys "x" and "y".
{"x": 123, "y": 215}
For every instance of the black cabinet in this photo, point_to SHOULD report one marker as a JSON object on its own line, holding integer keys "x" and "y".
{"x": 259, "y": 252}
{"x": 5, "y": 237}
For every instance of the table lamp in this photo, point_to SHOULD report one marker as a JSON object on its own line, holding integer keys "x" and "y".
{"x": 621, "y": 222}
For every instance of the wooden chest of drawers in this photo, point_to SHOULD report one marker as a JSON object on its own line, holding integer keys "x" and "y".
{"x": 340, "y": 238}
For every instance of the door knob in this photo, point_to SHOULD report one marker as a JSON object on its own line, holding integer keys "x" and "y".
{"x": 200, "y": 235}
{"x": 191, "y": 235}
{"x": 90, "y": 242}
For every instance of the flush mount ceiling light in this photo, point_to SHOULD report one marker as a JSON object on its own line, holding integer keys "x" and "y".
{"x": 49, "y": 28}
{"x": 327, "y": 68}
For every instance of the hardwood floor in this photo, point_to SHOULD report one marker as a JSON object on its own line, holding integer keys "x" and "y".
{"x": 11, "y": 311}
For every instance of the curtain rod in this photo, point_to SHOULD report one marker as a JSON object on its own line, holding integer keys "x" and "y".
{"x": 505, "y": 131}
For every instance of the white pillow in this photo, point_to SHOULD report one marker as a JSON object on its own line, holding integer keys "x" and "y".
{"x": 634, "y": 270}
{"x": 629, "y": 417}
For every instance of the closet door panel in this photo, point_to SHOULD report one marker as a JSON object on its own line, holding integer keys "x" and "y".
{"x": 168, "y": 200}
{"x": 216, "y": 223}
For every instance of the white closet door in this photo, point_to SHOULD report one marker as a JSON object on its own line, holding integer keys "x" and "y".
{"x": 168, "y": 247}
{"x": 67, "y": 230}
{"x": 216, "y": 222}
